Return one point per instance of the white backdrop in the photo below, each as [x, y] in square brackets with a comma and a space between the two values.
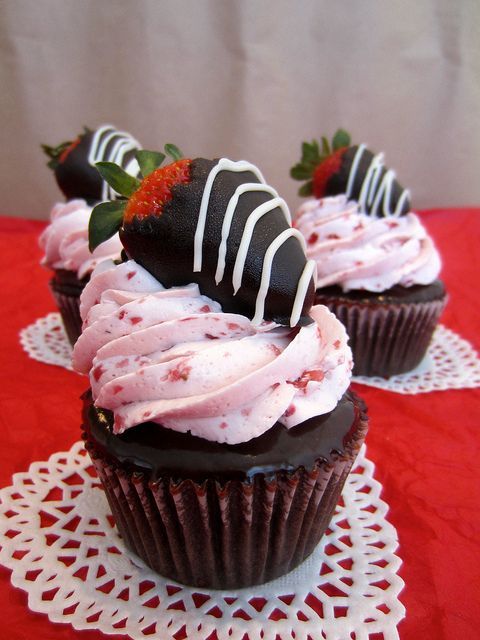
[245, 79]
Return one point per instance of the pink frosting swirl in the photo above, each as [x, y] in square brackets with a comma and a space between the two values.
[172, 356]
[356, 251]
[65, 240]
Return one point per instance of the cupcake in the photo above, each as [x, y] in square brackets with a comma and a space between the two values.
[377, 268]
[219, 417]
[65, 240]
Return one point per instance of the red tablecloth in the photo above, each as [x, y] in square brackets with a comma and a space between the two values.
[425, 447]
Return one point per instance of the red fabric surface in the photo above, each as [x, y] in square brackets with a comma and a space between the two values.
[425, 447]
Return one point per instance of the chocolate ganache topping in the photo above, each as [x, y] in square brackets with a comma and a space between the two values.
[224, 229]
[73, 162]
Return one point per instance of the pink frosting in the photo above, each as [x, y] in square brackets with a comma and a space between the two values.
[65, 240]
[357, 251]
[172, 356]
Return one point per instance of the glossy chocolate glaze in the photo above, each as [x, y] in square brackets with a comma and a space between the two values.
[164, 245]
[75, 177]
[395, 295]
[152, 448]
[337, 183]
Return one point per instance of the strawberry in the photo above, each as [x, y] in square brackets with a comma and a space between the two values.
[141, 199]
[318, 166]
[191, 222]
[73, 162]
[59, 154]
[354, 170]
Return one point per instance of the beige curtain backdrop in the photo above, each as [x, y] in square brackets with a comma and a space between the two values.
[245, 79]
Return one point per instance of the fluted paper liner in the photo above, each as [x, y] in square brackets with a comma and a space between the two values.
[235, 534]
[386, 338]
[69, 306]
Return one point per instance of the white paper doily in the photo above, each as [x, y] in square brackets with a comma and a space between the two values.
[450, 363]
[58, 538]
[46, 341]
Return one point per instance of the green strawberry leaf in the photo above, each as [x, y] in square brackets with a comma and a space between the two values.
[117, 178]
[149, 161]
[340, 139]
[301, 171]
[326, 147]
[54, 153]
[310, 153]
[173, 151]
[306, 189]
[105, 220]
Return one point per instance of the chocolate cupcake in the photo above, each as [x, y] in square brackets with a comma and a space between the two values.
[224, 516]
[380, 278]
[218, 419]
[65, 240]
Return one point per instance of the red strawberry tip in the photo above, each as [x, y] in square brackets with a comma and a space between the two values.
[155, 190]
[325, 170]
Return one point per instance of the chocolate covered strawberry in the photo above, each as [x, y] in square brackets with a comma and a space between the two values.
[354, 170]
[213, 222]
[73, 162]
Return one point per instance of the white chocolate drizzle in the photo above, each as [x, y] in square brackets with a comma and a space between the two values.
[267, 271]
[248, 230]
[309, 270]
[274, 202]
[227, 221]
[376, 192]
[123, 143]
[223, 165]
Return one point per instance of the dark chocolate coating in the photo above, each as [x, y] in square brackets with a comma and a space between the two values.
[395, 295]
[151, 448]
[77, 178]
[164, 245]
[337, 183]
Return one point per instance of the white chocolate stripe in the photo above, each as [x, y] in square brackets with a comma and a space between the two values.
[227, 221]
[267, 270]
[124, 143]
[353, 169]
[401, 201]
[370, 182]
[223, 165]
[254, 217]
[375, 193]
[309, 270]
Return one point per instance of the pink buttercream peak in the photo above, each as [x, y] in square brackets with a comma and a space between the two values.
[65, 240]
[190, 367]
[356, 251]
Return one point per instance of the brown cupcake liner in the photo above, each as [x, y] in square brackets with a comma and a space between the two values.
[69, 307]
[230, 535]
[388, 338]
